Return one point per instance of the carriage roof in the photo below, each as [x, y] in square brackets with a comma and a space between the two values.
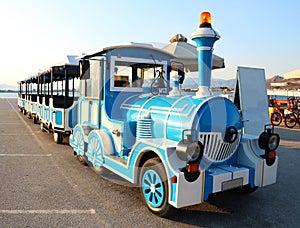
[59, 72]
[128, 46]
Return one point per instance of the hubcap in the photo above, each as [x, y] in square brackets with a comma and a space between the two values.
[153, 188]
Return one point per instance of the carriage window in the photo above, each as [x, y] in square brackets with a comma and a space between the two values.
[133, 74]
[123, 72]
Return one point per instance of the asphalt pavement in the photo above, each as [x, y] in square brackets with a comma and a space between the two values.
[43, 185]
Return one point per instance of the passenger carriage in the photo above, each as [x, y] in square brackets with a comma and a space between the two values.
[57, 100]
[31, 98]
[22, 96]
[27, 96]
[179, 148]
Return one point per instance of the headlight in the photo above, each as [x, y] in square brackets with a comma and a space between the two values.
[268, 141]
[231, 134]
[193, 151]
[189, 151]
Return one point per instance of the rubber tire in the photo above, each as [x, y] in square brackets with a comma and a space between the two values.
[165, 209]
[58, 138]
[287, 121]
[42, 127]
[274, 117]
[34, 119]
[82, 160]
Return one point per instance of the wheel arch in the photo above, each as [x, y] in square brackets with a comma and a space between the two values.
[144, 156]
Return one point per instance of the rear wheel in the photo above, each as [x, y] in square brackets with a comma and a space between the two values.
[154, 188]
[58, 138]
[34, 119]
[81, 159]
[77, 142]
[276, 118]
[290, 120]
[42, 127]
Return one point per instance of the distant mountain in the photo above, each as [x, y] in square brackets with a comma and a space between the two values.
[8, 87]
[275, 78]
[217, 82]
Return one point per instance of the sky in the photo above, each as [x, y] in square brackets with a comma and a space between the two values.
[36, 34]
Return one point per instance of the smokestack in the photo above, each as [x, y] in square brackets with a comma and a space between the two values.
[205, 37]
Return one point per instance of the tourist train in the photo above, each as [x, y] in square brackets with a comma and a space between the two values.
[50, 99]
[133, 118]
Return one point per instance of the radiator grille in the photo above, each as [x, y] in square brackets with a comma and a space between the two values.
[215, 149]
[143, 129]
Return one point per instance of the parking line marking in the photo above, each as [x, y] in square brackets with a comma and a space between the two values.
[25, 155]
[15, 212]
[16, 134]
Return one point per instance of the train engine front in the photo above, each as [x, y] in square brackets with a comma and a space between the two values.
[200, 140]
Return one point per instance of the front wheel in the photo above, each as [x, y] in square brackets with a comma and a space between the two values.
[290, 120]
[276, 118]
[154, 187]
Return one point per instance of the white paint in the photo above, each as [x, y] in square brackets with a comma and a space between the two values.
[25, 155]
[203, 91]
[219, 176]
[189, 193]
[270, 173]
[247, 157]
[205, 32]
[238, 172]
[254, 99]
[84, 111]
[113, 125]
[16, 134]
[16, 212]
[203, 48]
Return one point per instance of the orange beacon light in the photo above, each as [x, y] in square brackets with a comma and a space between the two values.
[205, 20]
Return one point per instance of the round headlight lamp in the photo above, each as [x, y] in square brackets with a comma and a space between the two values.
[268, 141]
[231, 134]
[189, 151]
[193, 151]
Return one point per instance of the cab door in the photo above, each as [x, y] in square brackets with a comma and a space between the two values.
[91, 92]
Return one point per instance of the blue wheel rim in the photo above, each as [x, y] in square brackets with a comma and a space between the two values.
[78, 142]
[153, 188]
[95, 151]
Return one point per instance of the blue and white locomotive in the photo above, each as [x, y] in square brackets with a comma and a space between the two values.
[178, 147]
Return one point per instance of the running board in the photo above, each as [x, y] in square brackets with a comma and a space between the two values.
[117, 159]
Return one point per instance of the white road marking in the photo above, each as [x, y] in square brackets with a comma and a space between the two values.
[289, 143]
[16, 134]
[25, 155]
[11, 123]
[16, 212]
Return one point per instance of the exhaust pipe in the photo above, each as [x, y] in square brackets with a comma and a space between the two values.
[205, 37]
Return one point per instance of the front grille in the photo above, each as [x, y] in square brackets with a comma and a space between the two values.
[215, 149]
[143, 129]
